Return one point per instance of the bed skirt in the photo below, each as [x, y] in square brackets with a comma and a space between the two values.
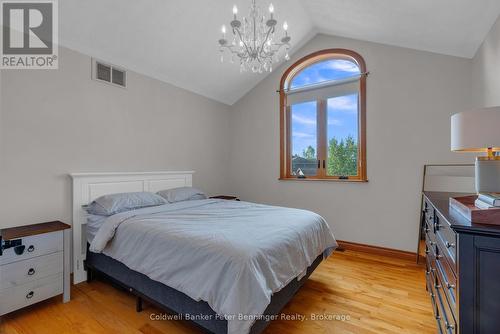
[173, 301]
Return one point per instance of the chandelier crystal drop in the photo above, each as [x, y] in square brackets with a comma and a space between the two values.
[254, 40]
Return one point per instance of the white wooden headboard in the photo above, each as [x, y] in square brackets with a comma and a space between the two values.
[89, 186]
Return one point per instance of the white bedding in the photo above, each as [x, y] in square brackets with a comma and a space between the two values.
[94, 223]
[233, 255]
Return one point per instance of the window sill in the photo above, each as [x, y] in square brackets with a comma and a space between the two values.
[327, 180]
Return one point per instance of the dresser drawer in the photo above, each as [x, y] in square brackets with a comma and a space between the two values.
[446, 237]
[36, 245]
[430, 247]
[430, 280]
[446, 316]
[447, 277]
[428, 212]
[30, 293]
[22, 272]
[429, 232]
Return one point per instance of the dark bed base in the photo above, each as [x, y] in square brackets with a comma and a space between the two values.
[175, 302]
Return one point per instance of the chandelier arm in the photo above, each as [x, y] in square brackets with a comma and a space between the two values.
[232, 51]
[255, 29]
[231, 48]
[265, 40]
[241, 39]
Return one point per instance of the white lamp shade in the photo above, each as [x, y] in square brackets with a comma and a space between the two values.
[476, 131]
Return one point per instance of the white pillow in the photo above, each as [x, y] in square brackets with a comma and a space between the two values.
[108, 205]
[182, 194]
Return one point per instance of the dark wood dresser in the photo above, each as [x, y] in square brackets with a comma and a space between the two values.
[462, 269]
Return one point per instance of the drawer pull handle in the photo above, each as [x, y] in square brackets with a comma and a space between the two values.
[30, 295]
[31, 272]
[450, 286]
[439, 256]
[437, 286]
[449, 326]
[426, 251]
[31, 248]
[450, 245]
[433, 243]
[438, 317]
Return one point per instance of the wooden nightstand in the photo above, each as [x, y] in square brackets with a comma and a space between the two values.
[226, 197]
[34, 264]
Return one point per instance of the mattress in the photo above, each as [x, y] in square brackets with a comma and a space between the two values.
[232, 255]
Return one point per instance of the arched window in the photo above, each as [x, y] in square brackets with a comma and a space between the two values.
[323, 117]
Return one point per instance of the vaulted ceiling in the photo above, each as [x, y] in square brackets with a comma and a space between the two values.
[176, 40]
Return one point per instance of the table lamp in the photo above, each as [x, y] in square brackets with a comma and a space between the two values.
[479, 131]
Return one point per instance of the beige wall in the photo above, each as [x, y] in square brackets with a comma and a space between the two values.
[60, 121]
[410, 97]
[486, 70]
[56, 122]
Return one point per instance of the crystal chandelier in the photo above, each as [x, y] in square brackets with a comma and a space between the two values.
[254, 41]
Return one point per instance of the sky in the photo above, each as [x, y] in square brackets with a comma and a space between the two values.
[342, 111]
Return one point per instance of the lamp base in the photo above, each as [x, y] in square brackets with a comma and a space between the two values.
[487, 175]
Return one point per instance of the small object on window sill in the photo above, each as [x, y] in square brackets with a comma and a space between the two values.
[315, 179]
[343, 177]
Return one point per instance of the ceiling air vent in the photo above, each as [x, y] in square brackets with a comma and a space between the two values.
[118, 77]
[103, 72]
[108, 73]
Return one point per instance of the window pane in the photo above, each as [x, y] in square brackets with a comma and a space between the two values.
[328, 70]
[304, 140]
[342, 135]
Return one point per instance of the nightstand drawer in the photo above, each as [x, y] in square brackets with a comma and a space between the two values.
[35, 245]
[30, 293]
[22, 272]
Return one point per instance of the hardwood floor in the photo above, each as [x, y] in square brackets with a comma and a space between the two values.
[378, 295]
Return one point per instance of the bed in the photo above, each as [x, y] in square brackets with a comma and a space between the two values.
[227, 266]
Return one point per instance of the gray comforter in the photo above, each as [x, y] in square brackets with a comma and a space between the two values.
[233, 255]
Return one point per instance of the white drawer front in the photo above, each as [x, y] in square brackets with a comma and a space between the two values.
[22, 272]
[30, 293]
[36, 245]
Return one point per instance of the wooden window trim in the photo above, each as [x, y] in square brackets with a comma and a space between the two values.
[285, 124]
